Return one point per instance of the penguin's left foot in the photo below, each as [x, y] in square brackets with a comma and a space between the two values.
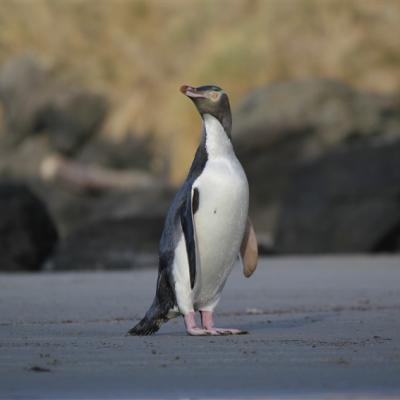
[207, 321]
[227, 331]
[192, 329]
[201, 332]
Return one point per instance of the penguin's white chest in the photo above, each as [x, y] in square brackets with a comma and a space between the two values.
[219, 223]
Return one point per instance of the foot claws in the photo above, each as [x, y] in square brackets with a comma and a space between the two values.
[225, 332]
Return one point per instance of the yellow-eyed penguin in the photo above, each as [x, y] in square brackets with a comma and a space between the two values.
[206, 228]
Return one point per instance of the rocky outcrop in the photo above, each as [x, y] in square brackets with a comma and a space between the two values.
[71, 118]
[287, 125]
[35, 100]
[108, 205]
[321, 158]
[110, 244]
[27, 232]
[23, 82]
[345, 201]
[120, 231]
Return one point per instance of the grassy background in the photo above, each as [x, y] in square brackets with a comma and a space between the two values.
[139, 52]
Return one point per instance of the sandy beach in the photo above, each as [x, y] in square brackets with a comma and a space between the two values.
[318, 327]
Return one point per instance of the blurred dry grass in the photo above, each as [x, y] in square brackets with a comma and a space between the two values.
[139, 52]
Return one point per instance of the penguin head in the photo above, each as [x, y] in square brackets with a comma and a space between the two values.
[211, 99]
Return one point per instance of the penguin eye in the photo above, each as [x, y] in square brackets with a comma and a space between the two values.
[214, 96]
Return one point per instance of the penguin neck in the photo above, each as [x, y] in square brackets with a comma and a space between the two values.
[215, 137]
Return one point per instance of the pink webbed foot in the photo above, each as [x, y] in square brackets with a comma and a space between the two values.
[201, 332]
[230, 331]
[192, 329]
[207, 321]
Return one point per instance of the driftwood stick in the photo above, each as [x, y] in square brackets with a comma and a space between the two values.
[89, 178]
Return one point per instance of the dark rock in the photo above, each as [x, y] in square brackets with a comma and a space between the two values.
[74, 210]
[24, 162]
[27, 233]
[130, 153]
[345, 201]
[70, 209]
[37, 100]
[148, 203]
[70, 118]
[390, 242]
[111, 244]
[120, 231]
[284, 125]
[23, 89]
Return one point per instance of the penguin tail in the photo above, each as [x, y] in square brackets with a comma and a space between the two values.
[151, 322]
[159, 312]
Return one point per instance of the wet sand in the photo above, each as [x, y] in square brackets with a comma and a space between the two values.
[319, 327]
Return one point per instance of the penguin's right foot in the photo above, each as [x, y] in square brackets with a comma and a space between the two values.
[201, 332]
[193, 330]
[207, 320]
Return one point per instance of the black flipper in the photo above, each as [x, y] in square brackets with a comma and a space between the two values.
[188, 210]
[157, 314]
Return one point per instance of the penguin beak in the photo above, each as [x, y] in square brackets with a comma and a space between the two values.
[192, 92]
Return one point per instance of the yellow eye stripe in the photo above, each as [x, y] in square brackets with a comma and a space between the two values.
[214, 96]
